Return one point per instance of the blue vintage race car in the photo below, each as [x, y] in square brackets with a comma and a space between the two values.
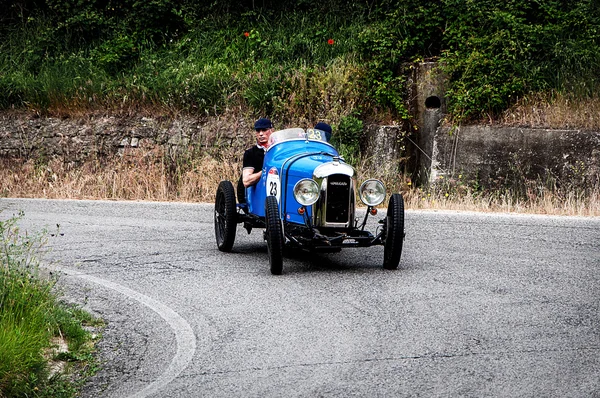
[306, 199]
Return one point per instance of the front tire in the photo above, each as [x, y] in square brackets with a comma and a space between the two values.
[394, 235]
[274, 235]
[225, 216]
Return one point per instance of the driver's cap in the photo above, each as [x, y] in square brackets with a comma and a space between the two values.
[263, 123]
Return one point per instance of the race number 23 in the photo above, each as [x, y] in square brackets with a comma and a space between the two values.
[314, 134]
[273, 183]
[273, 188]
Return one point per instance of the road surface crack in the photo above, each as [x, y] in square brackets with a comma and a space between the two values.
[389, 359]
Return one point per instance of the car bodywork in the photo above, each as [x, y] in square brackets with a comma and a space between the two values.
[306, 198]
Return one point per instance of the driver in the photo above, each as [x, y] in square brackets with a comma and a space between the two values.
[254, 157]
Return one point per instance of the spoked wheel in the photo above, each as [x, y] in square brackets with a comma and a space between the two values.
[274, 235]
[225, 216]
[394, 233]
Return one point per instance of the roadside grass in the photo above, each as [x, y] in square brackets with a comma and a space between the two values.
[155, 175]
[35, 324]
[544, 201]
[554, 109]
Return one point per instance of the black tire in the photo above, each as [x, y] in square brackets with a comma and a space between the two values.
[274, 235]
[225, 216]
[394, 234]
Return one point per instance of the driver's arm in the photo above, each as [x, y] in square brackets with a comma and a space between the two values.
[249, 177]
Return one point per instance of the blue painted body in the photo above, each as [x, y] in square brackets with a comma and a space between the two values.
[289, 161]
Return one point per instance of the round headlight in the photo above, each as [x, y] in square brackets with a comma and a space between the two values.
[372, 192]
[306, 192]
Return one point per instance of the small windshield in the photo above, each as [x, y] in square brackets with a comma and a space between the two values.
[298, 134]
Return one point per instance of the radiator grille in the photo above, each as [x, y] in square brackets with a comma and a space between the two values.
[338, 198]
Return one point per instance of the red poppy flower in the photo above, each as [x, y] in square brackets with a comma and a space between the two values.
[330, 42]
[246, 34]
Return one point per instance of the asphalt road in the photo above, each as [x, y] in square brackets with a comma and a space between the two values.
[482, 305]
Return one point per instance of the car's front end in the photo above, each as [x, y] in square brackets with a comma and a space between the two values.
[322, 216]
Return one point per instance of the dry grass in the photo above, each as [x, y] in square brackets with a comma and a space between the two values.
[554, 110]
[548, 202]
[136, 175]
[530, 196]
[154, 175]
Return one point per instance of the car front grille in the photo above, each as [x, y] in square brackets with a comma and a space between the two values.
[338, 198]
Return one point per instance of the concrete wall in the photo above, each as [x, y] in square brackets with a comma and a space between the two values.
[495, 156]
[385, 147]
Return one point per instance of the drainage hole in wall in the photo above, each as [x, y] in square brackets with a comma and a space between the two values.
[433, 102]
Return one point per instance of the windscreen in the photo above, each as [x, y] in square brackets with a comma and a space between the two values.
[298, 134]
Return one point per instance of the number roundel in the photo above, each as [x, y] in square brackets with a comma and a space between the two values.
[273, 184]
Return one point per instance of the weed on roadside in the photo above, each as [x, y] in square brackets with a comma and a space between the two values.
[34, 323]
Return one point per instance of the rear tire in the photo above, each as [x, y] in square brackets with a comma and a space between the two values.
[394, 234]
[225, 216]
[274, 235]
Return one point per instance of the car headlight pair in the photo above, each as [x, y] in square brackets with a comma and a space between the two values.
[371, 192]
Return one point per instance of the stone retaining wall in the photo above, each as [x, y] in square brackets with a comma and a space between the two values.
[77, 139]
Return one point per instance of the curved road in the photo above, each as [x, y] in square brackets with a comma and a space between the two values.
[483, 305]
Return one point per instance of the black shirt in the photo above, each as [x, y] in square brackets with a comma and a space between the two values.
[254, 157]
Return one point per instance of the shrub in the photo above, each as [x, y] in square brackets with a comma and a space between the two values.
[347, 138]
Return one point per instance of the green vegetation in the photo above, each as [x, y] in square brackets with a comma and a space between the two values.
[347, 139]
[32, 321]
[297, 61]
